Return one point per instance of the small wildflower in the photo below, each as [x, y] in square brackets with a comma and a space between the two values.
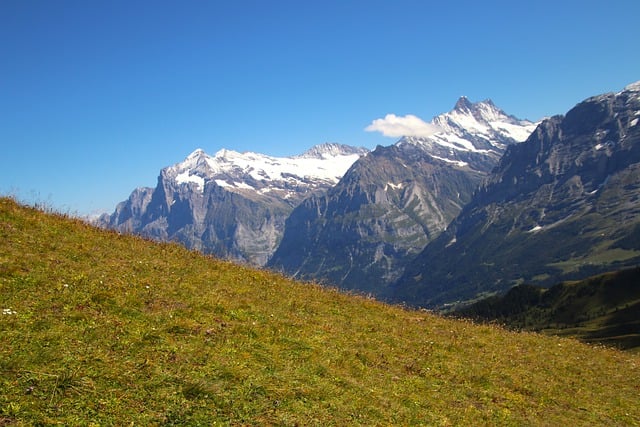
[8, 311]
[147, 287]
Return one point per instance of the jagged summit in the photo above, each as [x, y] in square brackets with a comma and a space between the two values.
[197, 156]
[249, 171]
[197, 153]
[473, 134]
[391, 203]
[483, 119]
[331, 149]
[562, 205]
[463, 104]
[231, 204]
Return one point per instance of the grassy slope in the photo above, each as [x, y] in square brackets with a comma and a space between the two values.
[111, 329]
[603, 309]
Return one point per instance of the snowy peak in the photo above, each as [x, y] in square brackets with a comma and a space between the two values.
[192, 159]
[322, 165]
[196, 160]
[330, 150]
[472, 133]
[463, 104]
[230, 204]
[632, 87]
[482, 118]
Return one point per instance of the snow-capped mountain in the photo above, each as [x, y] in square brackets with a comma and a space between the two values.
[381, 210]
[563, 205]
[362, 232]
[231, 204]
[250, 174]
[473, 134]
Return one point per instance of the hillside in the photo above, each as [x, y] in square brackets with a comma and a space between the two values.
[603, 309]
[103, 328]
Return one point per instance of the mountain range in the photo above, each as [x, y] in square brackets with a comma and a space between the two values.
[391, 203]
[232, 204]
[486, 202]
[370, 212]
[564, 204]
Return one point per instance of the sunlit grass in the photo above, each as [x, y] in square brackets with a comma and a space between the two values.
[602, 254]
[115, 330]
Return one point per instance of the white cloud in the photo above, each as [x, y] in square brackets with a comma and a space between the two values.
[397, 126]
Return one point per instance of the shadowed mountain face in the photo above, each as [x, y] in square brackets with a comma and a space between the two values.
[361, 233]
[564, 204]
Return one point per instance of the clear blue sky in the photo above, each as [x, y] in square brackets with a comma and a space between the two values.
[97, 96]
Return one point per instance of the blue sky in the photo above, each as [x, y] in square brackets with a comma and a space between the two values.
[96, 97]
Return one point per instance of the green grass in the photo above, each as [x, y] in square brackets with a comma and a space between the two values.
[98, 328]
[602, 255]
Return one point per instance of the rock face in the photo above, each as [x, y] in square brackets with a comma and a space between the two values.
[565, 204]
[233, 205]
[392, 202]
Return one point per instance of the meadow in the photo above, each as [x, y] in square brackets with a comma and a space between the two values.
[98, 328]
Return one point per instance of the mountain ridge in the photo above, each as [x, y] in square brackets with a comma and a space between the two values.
[473, 134]
[231, 204]
[360, 234]
[319, 166]
[568, 194]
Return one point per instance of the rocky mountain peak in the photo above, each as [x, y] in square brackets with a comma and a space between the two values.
[331, 149]
[463, 104]
[197, 157]
[483, 110]
[198, 152]
[363, 231]
[560, 205]
[231, 204]
[472, 135]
